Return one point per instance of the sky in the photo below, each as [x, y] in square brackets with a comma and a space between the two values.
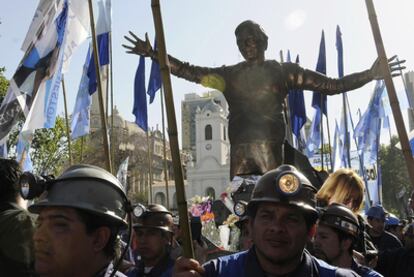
[202, 32]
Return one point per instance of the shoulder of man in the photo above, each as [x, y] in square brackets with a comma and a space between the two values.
[230, 265]
[392, 238]
[327, 270]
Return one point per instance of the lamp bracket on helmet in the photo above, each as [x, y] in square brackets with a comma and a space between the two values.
[32, 186]
[138, 210]
[240, 208]
[288, 183]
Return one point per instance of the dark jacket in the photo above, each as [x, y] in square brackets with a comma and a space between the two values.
[16, 245]
[246, 264]
[397, 262]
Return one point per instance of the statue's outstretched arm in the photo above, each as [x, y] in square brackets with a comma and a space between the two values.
[298, 77]
[197, 74]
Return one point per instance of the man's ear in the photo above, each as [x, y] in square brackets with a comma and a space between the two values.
[346, 244]
[100, 238]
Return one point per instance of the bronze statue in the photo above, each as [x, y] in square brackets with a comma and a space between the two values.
[255, 91]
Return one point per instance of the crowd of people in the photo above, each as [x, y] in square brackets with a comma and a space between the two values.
[77, 226]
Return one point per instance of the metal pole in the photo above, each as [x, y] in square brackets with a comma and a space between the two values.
[329, 142]
[399, 123]
[100, 95]
[164, 149]
[172, 130]
[67, 120]
[321, 123]
[347, 140]
[149, 167]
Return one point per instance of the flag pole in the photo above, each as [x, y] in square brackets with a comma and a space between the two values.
[347, 140]
[286, 111]
[100, 93]
[321, 123]
[67, 120]
[164, 148]
[112, 98]
[329, 142]
[149, 168]
[399, 123]
[172, 130]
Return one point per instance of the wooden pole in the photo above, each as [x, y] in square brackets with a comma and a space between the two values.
[67, 120]
[100, 93]
[149, 167]
[164, 149]
[399, 122]
[172, 130]
[112, 98]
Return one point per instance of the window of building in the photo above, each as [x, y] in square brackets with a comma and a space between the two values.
[160, 198]
[208, 132]
[210, 192]
[224, 133]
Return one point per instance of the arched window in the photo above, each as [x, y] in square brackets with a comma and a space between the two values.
[160, 198]
[211, 193]
[208, 132]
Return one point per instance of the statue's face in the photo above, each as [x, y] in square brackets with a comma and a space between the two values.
[250, 46]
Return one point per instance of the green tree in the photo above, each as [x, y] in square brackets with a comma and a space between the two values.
[48, 151]
[4, 84]
[394, 176]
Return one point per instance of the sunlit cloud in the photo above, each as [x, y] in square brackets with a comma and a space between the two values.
[295, 19]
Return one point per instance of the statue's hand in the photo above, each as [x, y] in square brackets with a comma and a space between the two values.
[394, 66]
[139, 47]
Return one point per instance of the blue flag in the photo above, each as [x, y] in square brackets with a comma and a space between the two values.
[140, 97]
[367, 132]
[297, 108]
[314, 138]
[154, 83]
[81, 114]
[319, 100]
[339, 48]
[344, 134]
[103, 27]
[33, 90]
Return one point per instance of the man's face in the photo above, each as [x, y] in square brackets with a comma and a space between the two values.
[249, 46]
[151, 244]
[279, 232]
[327, 245]
[378, 226]
[62, 246]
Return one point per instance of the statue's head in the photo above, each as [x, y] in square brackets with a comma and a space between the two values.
[247, 32]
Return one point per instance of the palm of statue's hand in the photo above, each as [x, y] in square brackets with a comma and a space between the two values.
[394, 66]
[139, 46]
